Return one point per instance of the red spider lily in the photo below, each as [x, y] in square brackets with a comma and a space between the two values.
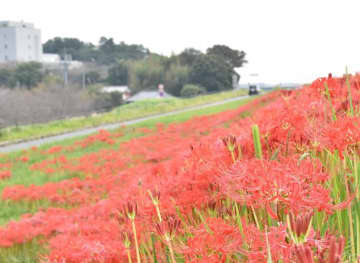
[5, 174]
[213, 237]
[5, 165]
[101, 136]
[54, 149]
[330, 252]
[130, 209]
[257, 183]
[335, 250]
[304, 254]
[24, 159]
[300, 226]
[209, 259]
[191, 165]
[94, 248]
[168, 227]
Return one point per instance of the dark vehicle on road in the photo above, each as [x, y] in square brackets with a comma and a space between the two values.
[253, 90]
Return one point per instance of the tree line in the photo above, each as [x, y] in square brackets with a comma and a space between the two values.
[136, 67]
[26, 75]
[106, 53]
[211, 71]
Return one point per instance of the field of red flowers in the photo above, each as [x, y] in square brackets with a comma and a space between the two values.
[275, 180]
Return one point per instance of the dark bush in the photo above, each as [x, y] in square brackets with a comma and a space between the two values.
[116, 99]
[175, 78]
[191, 90]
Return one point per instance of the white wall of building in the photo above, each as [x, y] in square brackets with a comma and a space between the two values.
[7, 44]
[20, 42]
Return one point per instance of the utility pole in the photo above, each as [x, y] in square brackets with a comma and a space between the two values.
[83, 80]
[66, 63]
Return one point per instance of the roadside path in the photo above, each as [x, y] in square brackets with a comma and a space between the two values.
[38, 142]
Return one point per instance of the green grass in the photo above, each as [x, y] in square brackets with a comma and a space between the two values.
[22, 175]
[119, 114]
[184, 116]
[25, 253]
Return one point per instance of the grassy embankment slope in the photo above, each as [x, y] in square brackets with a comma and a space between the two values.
[119, 114]
[21, 171]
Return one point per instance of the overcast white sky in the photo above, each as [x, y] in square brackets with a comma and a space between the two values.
[285, 41]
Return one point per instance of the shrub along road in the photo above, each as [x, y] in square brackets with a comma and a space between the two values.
[39, 142]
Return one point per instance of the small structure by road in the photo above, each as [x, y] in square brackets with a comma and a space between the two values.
[124, 90]
[148, 94]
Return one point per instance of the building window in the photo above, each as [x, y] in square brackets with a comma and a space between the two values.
[29, 47]
[4, 35]
[5, 46]
[6, 58]
[29, 36]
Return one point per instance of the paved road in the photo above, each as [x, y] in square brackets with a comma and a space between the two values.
[38, 142]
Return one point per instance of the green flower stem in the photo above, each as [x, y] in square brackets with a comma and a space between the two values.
[257, 142]
[136, 242]
[349, 91]
[329, 99]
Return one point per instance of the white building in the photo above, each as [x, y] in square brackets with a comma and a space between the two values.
[19, 42]
[48, 58]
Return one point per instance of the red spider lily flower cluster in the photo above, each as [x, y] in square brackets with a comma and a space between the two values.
[219, 203]
[5, 170]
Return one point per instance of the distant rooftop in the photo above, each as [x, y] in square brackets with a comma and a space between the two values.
[120, 89]
[16, 24]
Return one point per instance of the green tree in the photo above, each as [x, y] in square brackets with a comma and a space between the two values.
[188, 56]
[211, 72]
[147, 74]
[28, 74]
[92, 77]
[234, 58]
[175, 78]
[118, 74]
[110, 52]
[55, 45]
[5, 77]
[87, 53]
[132, 51]
[107, 53]
[107, 45]
[73, 46]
